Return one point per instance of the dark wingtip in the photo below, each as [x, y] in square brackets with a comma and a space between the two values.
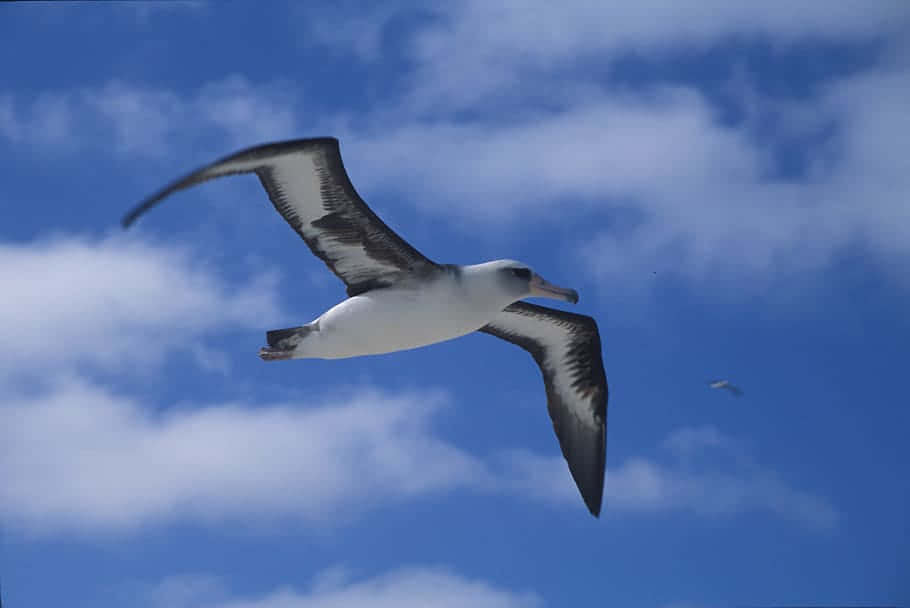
[589, 478]
[593, 507]
[130, 218]
[593, 498]
[127, 220]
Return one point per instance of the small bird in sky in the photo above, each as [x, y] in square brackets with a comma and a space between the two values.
[725, 384]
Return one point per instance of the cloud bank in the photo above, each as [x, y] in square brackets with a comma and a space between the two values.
[115, 303]
[666, 183]
[77, 454]
[81, 457]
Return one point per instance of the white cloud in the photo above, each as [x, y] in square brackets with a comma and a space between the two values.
[76, 454]
[149, 121]
[476, 52]
[486, 36]
[672, 187]
[184, 591]
[675, 189]
[115, 303]
[639, 485]
[43, 120]
[133, 120]
[144, 10]
[499, 124]
[141, 120]
[401, 588]
[686, 441]
[503, 120]
[608, 148]
[346, 27]
[80, 457]
[722, 483]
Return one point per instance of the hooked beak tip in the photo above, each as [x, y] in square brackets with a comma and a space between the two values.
[541, 288]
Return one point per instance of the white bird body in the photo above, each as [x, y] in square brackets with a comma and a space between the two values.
[392, 319]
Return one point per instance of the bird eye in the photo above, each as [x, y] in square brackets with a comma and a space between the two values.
[521, 273]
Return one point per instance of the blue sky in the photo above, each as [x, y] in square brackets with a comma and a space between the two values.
[725, 184]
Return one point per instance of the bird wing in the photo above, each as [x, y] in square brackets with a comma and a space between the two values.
[308, 185]
[566, 346]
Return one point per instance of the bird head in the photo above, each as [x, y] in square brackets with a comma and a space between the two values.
[521, 281]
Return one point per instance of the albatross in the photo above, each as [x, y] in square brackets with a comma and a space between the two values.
[398, 299]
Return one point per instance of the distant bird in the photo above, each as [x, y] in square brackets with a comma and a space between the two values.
[398, 299]
[725, 384]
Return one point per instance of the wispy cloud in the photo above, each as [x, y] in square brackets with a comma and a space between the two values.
[404, 588]
[519, 128]
[639, 485]
[673, 188]
[670, 185]
[44, 119]
[687, 441]
[135, 120]
[709, 474]
[348, 28]
[184, 591]
[473, 52]
[144, 11]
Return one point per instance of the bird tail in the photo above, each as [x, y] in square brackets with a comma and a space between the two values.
[284, 343]
[289, 337]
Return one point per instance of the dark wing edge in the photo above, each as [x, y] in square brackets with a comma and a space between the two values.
[578, 357]
[348, 218]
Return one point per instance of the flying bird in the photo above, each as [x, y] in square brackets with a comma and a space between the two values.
[398, 299]
[725, 384]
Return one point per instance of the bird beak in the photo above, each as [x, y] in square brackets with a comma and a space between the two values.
[542, 289]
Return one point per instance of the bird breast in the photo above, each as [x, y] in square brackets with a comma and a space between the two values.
[393, 319]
